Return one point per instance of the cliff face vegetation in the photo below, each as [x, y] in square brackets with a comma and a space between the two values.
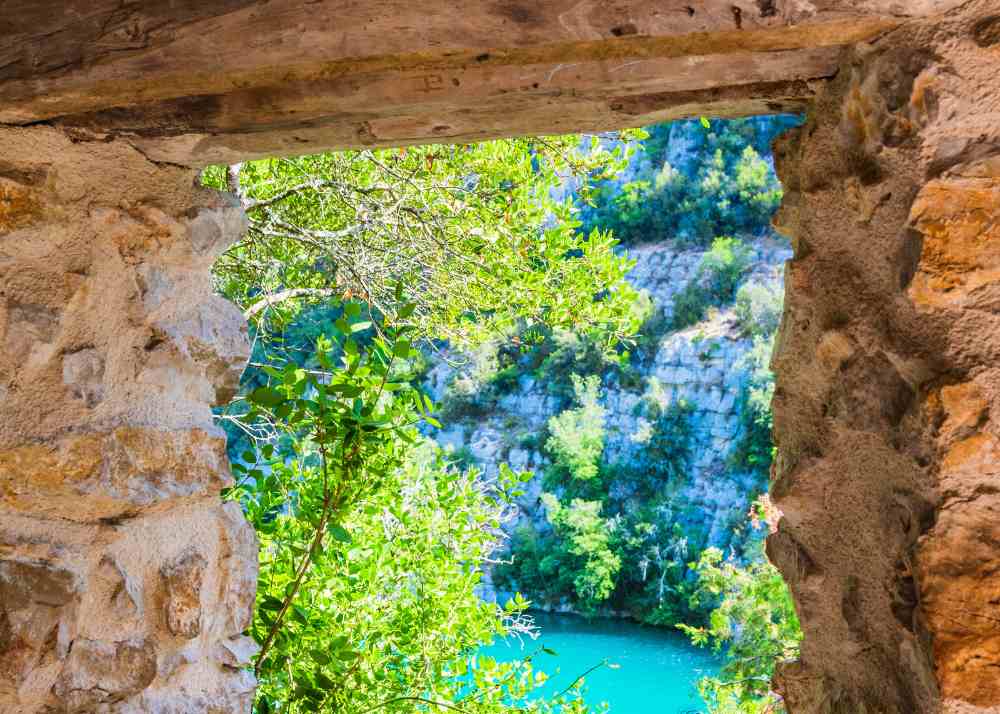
[667, 438]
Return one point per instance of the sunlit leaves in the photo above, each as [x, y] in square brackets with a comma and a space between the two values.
[753, 624]
[481, 236]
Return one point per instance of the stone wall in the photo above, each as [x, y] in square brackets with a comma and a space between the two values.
[887, 411]
[125, 583]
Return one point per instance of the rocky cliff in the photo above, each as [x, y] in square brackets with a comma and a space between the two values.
[703, 366]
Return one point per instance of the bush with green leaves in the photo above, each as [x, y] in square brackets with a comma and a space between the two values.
[759, 305]
[569, 353]
[753, 625]
[370, 541]
[473, 231]
[652, 583]
[576, 436]
[666, 454]
[536, 564]
[755, 449]
[585, 546]
[719, 272]
[722, 184]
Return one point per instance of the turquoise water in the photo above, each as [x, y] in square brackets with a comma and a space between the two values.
[657, 667]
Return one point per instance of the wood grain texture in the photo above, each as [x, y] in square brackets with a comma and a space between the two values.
[241, 78]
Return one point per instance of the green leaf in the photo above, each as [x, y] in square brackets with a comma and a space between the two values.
[339, 534]
[359, 326]
[347, 390]
[270, 603]
[407, 310]
[267, 397]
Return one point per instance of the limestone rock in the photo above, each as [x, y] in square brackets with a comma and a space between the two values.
[885, 409]
[23, 583]
[237, 652]
[99, 672]
[121, 572]
[182, 581]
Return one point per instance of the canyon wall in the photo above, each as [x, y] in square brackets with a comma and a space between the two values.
[887, 409]
[704, 367]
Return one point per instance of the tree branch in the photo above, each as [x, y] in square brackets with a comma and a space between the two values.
[289, 294]
[301, 571]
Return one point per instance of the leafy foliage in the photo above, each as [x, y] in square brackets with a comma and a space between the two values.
[753, 624]
[472, 231]
[577, 435]
[591, 531]
[720, 184]
[585, 544]
[667, 453]
[719, 273]
[370, 543]
[756, 448]
[759, 306]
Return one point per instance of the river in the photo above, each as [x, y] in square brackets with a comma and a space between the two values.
[657, 667]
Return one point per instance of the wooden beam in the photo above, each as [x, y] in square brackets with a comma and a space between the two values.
[194, 82]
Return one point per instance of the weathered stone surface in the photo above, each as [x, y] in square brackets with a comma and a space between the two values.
[182, 581]
[99, 672]
[118, 472]
[121, 573]
[22, 583]
[887, 393]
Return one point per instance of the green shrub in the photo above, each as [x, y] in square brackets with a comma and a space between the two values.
[505, 380]
[755, 450]
[723, 266]
[753, 624]
[462, 458]
[719, 272]
[652, 583]
[759, 306]
[585, 536]
[462, 405]
[666, 453]
[577, 435]
[652, 329]
[571, 354]
[472, 394]
[724, 184]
